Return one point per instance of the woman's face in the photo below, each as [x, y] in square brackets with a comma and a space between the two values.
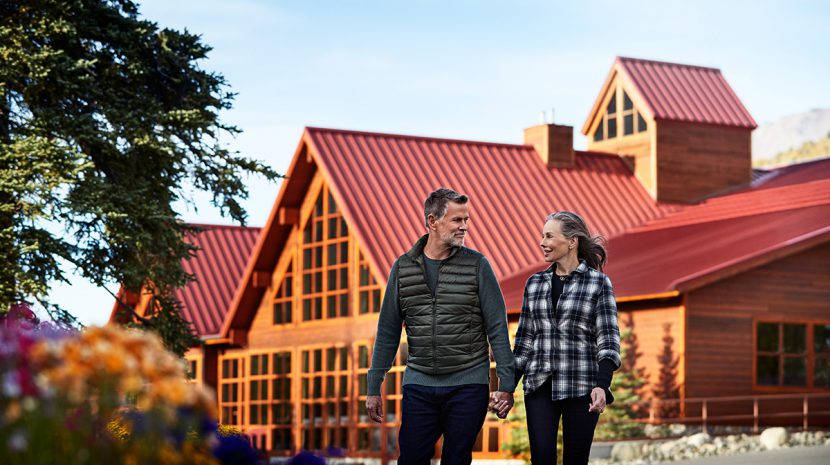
[554, 244]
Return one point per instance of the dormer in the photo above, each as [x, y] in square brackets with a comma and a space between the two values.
[683, 129]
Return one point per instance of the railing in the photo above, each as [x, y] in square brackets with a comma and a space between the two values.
[705, 419]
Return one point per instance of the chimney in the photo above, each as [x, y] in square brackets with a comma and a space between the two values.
[553, 142]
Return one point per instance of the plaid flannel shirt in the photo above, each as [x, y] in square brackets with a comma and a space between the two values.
[566, 343]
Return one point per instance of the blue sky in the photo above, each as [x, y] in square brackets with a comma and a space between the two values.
[480, 70]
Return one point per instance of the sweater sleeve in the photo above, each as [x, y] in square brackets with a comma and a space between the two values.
[523, 344]
[388, 336]
[495, 322]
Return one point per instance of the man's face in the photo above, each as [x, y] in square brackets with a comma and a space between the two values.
[452, 228]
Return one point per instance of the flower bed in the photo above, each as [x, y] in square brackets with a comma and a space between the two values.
[103, 395]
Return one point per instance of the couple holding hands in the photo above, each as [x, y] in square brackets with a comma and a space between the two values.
[567, 344]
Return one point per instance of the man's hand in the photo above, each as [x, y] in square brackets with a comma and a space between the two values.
[374, 406]
[500, 403]
[597, 400]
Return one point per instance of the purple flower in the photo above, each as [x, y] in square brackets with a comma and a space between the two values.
[306, 458]
[235, 449]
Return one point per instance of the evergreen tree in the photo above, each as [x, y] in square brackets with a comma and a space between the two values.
[106, 120]
[626, 385]
[666, 391]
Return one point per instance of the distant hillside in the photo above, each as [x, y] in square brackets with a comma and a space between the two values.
[789, 133]
[808, 151]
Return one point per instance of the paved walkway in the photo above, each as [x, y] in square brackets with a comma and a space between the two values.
[816, 455]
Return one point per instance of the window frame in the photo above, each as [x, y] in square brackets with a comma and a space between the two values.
[342, 242]
[619, 115]
[809, 356]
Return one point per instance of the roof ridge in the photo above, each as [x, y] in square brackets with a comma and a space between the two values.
[796, 164]
[693, 215]
[414, 137]
[666, 63]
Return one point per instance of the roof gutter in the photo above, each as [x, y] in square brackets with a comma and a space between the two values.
[638, 298]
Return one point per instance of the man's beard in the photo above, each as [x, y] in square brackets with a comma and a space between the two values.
[453, 241]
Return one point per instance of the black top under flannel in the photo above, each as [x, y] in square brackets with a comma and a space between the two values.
[566, 343]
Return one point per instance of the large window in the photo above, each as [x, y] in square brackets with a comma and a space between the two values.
[368, 432]
[325, 262]
[324, 397]
[370, 435]
[283, 311]
[368, 289]
[232, 390]
[792, 354]
[281, 437]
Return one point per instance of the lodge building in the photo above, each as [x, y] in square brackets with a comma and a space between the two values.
[733, 263]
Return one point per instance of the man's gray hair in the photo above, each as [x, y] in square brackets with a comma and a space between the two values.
[436, 203]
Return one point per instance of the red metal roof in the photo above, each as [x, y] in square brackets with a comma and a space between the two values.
[218, 269]
[678, 92]
[669, 253]
[725, 233]
[794, 174]
[381, 180]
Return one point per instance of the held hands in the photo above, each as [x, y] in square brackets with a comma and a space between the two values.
[500, 403]
[374, 407]
[597, 400]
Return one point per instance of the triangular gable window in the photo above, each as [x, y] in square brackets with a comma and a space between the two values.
[632, 120]
[325, 261]
[326, 254]
[630, 115]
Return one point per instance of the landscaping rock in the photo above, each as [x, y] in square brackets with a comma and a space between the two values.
[697, 440]
[626, 451]
[773, 438]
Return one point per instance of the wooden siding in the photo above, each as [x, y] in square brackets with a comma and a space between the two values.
[648, 326]
[721, 319]
[245, 398]
[636, 149]
[694, 161]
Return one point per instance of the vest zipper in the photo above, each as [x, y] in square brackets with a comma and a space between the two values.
[434, 325]
[434, 322]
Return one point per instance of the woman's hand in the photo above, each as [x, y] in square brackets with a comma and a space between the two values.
[597, 400]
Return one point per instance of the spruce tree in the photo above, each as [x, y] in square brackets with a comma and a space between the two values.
[666, 392]
[626, 386]
[107, 120]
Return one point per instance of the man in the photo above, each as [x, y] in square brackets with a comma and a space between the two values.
[449, 300]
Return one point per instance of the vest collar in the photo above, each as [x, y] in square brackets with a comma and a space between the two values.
[417, 250]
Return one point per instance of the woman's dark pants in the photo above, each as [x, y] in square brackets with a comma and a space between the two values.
[543, 425]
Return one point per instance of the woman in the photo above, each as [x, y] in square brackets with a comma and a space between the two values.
[568, 342]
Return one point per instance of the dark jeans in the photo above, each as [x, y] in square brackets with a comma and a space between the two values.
[427, 413]
[543, 425]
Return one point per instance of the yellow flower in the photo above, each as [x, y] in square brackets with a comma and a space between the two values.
[114, 362]
[13, 411]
